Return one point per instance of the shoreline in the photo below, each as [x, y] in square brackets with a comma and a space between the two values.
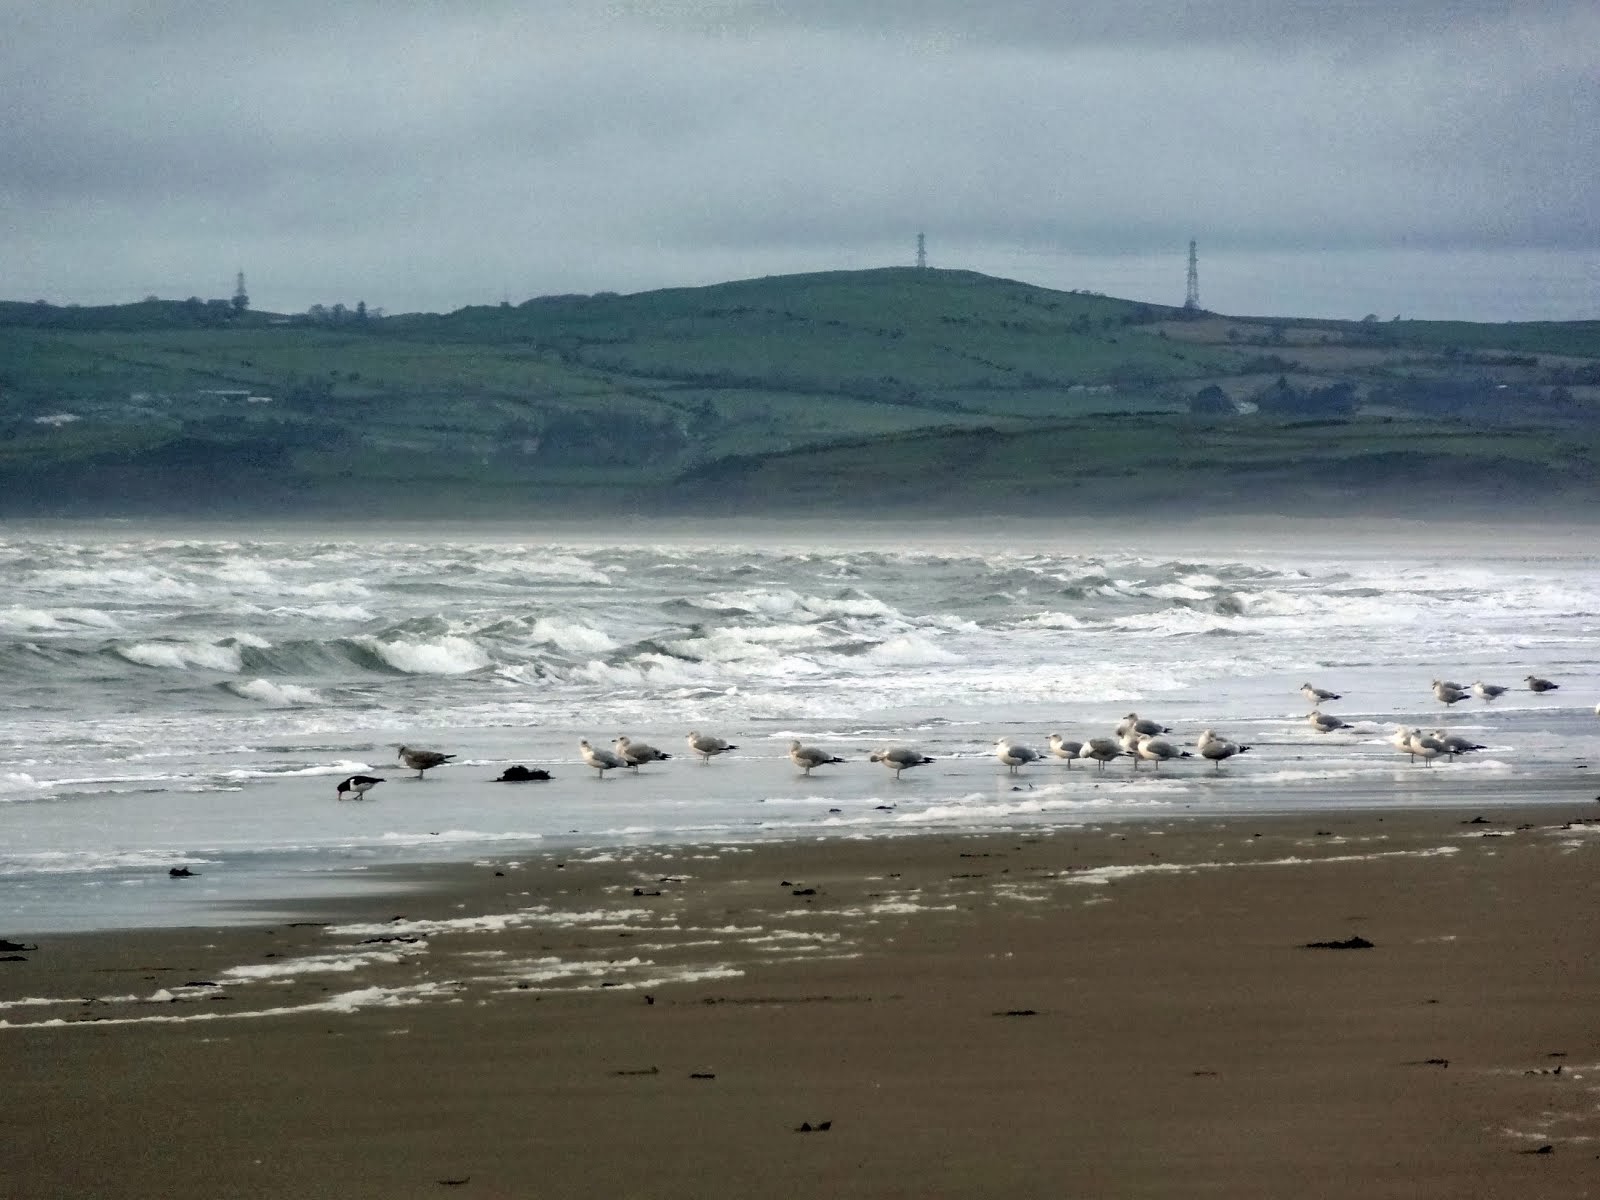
[1115, 1009]
[229, 891]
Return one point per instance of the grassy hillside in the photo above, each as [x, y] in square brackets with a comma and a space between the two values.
[897, 386]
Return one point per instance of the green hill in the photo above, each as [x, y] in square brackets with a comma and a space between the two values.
[919, 390]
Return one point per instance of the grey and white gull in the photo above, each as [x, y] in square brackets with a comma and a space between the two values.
[422, 760]
[807, 757]
[1317, 695]
[633, 754]
[601, 759]
[708, 745]
[1425, 746]
[1061, 747]
[1133, 721]
[1217, 748]
[1013, 756]
[1101, 750]
[1454, 744]
[900, 758]
[1158, 750]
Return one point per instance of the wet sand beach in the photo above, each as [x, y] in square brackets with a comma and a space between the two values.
[1115, 1010]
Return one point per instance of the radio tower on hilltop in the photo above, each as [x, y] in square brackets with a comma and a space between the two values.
[1191, 299]
[922, 251]
[241, 298]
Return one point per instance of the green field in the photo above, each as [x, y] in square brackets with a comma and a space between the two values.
[911, 389]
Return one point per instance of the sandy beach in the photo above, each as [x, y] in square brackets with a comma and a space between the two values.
[1124, 1010]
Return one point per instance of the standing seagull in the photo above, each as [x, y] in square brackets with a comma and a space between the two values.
[1159, 750]
[1425, 746]
[360, 785]
[1402, 742]
[422, 760]
[1102, 750]
[601, 760]
[1535, 684]
[1138, 724]
[1012, 757]
[706, 745]
[1448, 693]
[1318, 695]
[634, 753]
[1216, 748]
[1454, 743]
[900, 758]
[1325, 723]
[1487, 691]
[1061, 748]
[806, 757]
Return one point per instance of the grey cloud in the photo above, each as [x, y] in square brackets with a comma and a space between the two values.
[434, 152]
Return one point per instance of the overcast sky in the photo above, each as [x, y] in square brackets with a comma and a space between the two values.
[1431, 158]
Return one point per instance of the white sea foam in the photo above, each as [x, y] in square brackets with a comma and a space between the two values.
[572, 636]
[181, 656]
[326, 612]
[17, 782]
[1053, 620]
[321, 964]
[448, 655]
[282, 695]
[145, 584]
[346, 766]
[17, 619]
[910, 650]
[343, 1002]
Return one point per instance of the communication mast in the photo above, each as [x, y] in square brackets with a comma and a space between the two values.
[922, 251]
[241, 298]
[1191, 299]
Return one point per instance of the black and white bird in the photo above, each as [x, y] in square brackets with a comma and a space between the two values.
[422, 760]
[634, 753]
[707, 745]
[600, 759]
[1488, 691]
[1318, 695]
[1218, 748]
[806, 757]
[357, 786]
[1013, 756]
[1535, 684]
[1446, 692]
[900, 758]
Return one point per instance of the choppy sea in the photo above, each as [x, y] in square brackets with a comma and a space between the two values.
[190, 697]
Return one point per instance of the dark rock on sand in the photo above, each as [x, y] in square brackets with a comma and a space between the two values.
[1355, 943]
[521, 774]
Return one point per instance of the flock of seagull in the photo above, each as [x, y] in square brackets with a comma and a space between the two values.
[1414, 742]
[1135, 737]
